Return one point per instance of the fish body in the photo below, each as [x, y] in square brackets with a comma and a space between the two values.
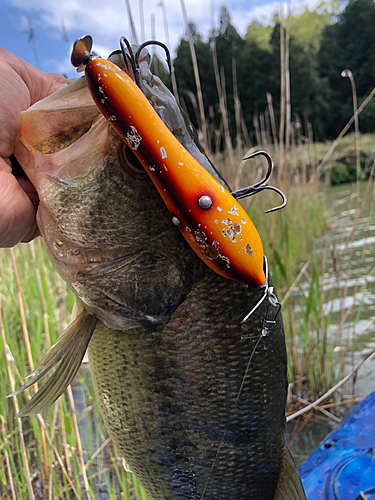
[193, 398]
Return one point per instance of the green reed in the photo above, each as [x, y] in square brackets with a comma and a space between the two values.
[288, 238]
[42, 459]
[297, 273]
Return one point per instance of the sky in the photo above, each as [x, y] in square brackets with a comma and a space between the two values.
[58, 23]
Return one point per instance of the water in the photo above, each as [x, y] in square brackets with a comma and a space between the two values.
[348, 282]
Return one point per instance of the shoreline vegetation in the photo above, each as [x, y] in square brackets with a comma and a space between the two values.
[66, 449]
[65, 452]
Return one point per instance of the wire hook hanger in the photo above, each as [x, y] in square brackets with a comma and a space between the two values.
[274, 305]
[261, 185]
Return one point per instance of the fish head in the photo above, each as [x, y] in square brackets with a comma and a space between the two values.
[105, 227]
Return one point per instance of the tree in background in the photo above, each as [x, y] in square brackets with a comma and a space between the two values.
[322, 44]
[309, 93]
[349, 43]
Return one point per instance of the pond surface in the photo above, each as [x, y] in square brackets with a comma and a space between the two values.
[347, 252]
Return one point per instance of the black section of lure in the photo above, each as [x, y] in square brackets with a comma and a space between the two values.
[261, 185]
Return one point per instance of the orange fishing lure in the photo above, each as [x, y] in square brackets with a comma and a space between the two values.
[211, 220]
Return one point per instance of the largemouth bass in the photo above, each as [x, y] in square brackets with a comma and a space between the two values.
[193, 398]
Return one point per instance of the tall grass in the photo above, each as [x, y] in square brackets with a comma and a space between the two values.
[300, 276]
[322, 352]
[65, 452]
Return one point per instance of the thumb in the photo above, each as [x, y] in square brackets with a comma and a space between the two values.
[22, 85]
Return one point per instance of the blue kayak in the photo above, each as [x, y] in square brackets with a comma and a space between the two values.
[343, 465]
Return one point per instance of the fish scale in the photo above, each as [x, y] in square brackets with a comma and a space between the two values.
[176, 395]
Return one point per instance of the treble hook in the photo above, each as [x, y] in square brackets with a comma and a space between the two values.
[134, 59]
[138, 53]
[124, 44]
[154, 42]
[261, 185]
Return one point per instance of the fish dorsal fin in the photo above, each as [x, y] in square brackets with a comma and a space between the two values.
[69, 350]
[289, 486]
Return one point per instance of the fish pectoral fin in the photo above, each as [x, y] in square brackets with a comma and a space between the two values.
[69, 350]
[289, 486]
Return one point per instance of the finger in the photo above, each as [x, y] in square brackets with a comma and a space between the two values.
[29, 190]
[17, 221]
[22, 85]
[31, 235]
[39, 84]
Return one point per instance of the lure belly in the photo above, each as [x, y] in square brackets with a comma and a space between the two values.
[211, 220]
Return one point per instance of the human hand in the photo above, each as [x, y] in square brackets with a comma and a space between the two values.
[21, 86]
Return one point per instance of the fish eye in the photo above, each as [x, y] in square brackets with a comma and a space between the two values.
[131, 163]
